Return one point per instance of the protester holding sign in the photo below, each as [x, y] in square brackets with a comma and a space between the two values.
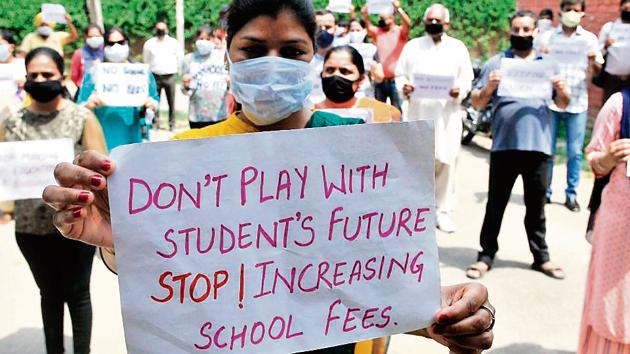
[576, 52]
[436, 53]
[122, 125]
[614, 33]
[270, 45]
[205, 80]
[606, 310]
[89, 55]
[12, 76]
[371, 61]
[341, 79]
[390, 39]
[61, 269]
[46, 36]
[521, 131]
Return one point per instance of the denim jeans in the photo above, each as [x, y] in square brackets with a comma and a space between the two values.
[387, 89]
[575, 124]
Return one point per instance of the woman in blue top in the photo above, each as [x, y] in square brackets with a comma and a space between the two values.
[121, 125]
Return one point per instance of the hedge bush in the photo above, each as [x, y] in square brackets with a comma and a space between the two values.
[481, 24]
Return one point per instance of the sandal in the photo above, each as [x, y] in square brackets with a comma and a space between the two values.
[552, 272]
[475, 272]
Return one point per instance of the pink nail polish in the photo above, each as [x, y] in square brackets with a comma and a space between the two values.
[95, 181]
[83, 197]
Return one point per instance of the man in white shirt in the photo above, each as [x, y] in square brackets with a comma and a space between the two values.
[436, 53]
[615, 33]
[577, 53]
[164, 56]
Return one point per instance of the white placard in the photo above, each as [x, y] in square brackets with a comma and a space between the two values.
[260, 225]
[378, 7]
[569, 53]
[122, 85]
[367, 114]
[367, 51]
[27, 166]
[7, 79]
[340, 6]
[432, 86]
[526, 78]
[53, 13]
[618, 59]
[620, 32]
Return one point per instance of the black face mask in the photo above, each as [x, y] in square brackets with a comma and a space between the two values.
[382, 23]
[45, 91]
[625, 15]
[337, 88]
[160, 33]
[434, 28]
[522, 43]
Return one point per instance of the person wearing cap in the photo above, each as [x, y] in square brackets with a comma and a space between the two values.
[46, 36]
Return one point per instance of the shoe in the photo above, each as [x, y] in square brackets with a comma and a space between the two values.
[445, 223]
[550, 270]
[572, 204]
[475, 271]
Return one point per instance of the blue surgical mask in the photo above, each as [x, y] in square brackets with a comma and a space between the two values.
[204, 46]
[270, 88]
[5, 54]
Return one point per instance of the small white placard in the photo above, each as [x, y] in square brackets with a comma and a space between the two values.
[618, 59]
[526, 78]
[262, 246]
[340, 6]
[432, 86]
[7, 79]
[378, 7]
[122, 85]
[620, 32]
[53, 13]
[569, 53]
[27, 166]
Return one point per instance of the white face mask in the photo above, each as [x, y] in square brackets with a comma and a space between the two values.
[117, 53]
[270, 88]
[544, 25]
[44, 31]
[204, 46]
[94, 42]
[5, 54]
[340, 31]
[357, 37]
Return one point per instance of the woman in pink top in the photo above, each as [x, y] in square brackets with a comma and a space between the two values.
[606, 317]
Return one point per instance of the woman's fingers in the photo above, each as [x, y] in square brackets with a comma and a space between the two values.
[61, 197]
[69, 175]
[462, 301]
[482, 341]
[95, 161]
[473, 325]
[69, 222]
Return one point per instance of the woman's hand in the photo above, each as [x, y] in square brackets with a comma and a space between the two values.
[81, 199]
[619, 151]
[93, 102]
[186, 81]
[151, 104]
[462, 324]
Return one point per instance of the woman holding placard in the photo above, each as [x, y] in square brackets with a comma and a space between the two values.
[270, 44]
[341, 78]
[61, 268]
[122, 125]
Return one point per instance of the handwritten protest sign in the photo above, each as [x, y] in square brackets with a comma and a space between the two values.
[367, 114]
[53, 13]
[367, 51]
[263, 246]
[340, 6]
[569, 53]
[380, 6]
[7, 79]
[617, 59]
[526, 78]
[620, 32]
[432, 86]
[122, 85]
[27, 166]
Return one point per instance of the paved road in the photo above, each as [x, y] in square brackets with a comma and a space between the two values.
[536, 314]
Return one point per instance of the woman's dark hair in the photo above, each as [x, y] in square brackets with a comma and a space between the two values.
[51, 53]
[357, 59]
[112, 30]
[204, 29]
[242, 12]
[56, 58]
[623, 2]
[8, 37]
[362, 22]
[548, 13]
[90, 26]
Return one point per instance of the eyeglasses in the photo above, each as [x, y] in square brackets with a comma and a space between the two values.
[121, 42]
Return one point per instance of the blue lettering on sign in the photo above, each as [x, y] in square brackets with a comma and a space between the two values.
[130, 71]
[110, 88]
[135, 90]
